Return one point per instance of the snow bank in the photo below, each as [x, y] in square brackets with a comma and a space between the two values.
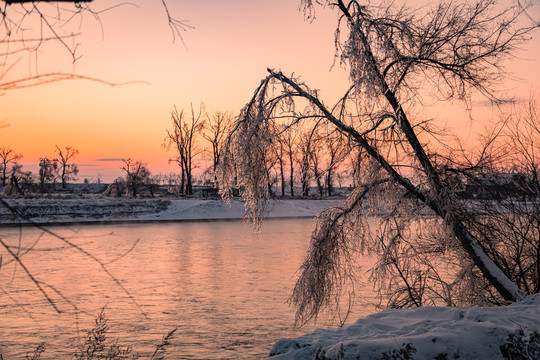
[111, 210]
[425, 333]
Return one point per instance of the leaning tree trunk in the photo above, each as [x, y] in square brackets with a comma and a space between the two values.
[493, 273]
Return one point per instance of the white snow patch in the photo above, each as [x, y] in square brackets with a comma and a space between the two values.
[434, 333]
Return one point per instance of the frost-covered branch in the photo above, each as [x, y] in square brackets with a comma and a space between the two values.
[330, 263]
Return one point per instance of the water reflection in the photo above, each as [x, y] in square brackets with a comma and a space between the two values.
[224, 286]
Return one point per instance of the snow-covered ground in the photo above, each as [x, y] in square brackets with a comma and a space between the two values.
[95, 209]
[426, 333]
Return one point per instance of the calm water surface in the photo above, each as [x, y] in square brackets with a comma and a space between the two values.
[221, 284]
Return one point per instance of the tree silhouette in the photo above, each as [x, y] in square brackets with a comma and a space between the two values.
[183, 138]
[7, 156]
[65, 170]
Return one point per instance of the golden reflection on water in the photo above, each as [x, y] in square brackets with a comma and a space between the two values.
[224, 286]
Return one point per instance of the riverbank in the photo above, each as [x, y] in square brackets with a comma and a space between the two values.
[443, 333]
[103, 210]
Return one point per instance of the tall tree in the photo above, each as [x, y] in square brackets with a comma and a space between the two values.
[316, 159]
[336, 151]
[279, 152]
[184, 137]
[396, 55]
[216, 129]
[66, 171]
[305, 145]
[7, 156]
[287, 139]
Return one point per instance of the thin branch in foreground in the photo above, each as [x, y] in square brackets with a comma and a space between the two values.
[56, 77]
[102, 265]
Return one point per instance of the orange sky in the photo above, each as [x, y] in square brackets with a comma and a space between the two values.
[225, 57]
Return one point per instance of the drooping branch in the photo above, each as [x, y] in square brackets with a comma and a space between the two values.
[330, 263]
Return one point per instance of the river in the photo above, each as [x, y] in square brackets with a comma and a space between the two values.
[223, 285]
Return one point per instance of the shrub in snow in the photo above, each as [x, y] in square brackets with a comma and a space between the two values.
[524, 344]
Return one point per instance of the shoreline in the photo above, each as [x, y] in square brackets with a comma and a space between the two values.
[107, 211]
[143, 221]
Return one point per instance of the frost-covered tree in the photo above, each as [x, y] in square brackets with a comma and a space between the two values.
[216, 128]
[398, 57]
[509, 229]
[183, 137]
[306, 141]
[336, 150]
[316, 159]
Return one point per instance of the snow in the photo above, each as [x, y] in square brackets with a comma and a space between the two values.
[96, 209]
[433, 333]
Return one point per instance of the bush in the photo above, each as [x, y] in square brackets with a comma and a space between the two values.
[524, 344]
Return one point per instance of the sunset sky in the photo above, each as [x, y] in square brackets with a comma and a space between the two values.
[222, 62]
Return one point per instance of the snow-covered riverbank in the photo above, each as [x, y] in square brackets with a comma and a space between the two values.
[113, 210]
[440, 333]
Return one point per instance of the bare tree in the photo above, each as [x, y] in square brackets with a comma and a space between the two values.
[305, 143]
[19, 181]
[287, 139]
[326, 153]
[47, 172]
[336, 151]
[183, 137]
[279, 153]
[7, 156]
[137, 175]
[523, 133]
[396, 55]
[272, 160]
[216, 129]
[66, 171]
[316, 155]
